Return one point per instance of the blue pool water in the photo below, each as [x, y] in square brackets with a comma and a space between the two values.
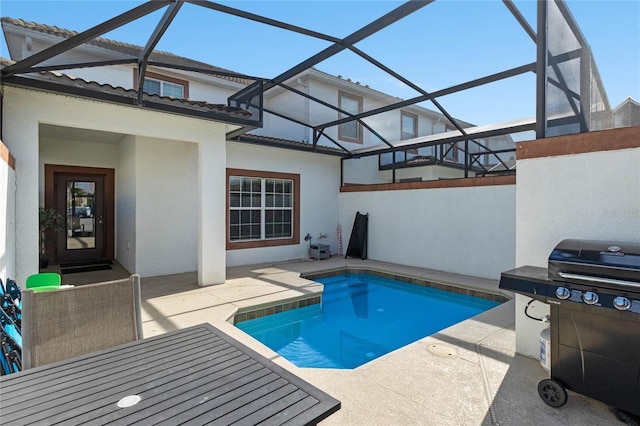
[361, 318]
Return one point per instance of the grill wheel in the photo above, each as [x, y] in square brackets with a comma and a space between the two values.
[552, 392]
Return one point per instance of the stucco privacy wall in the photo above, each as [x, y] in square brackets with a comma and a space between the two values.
[20, 126]
[573, 187]
[7, 214]
[319, 180]
[467, 230]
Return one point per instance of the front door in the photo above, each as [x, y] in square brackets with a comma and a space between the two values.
[83, 196]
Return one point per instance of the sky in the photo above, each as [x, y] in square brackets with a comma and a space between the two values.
[443, 44]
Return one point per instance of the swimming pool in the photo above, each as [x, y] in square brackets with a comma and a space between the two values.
[362, 317]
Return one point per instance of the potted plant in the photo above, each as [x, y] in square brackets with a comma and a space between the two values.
[51, 222]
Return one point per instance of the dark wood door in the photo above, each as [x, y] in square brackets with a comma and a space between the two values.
[80, 198]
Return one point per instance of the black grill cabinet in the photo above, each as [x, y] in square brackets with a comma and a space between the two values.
[593, 291]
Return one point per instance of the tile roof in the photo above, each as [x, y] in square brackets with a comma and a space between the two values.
[287, 143]
[79, 83]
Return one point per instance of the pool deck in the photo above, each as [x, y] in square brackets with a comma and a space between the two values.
[467, 374]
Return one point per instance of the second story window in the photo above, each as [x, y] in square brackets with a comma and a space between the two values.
[351, 131]
[163, 85]
[163, 88]
[408, 126]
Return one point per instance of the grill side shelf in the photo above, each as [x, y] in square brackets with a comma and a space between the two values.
[530, 281]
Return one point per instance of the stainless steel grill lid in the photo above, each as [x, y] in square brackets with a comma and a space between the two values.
[608, 263]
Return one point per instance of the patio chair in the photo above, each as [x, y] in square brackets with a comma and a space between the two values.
[44, 281]
[11, 309]
[58, 325]
[10, 358]
[11, 288]
[10, 345]
[10, 302]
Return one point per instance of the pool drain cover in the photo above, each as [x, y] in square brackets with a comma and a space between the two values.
[442, 350]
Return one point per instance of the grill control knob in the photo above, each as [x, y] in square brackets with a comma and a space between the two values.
[590, 298]
[562, 293]
[621, 303]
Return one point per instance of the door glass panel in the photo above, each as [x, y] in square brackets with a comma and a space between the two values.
[80, 215]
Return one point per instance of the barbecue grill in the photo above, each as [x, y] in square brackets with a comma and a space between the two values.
[593, 291]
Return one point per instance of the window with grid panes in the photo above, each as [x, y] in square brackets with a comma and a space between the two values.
[260, 208]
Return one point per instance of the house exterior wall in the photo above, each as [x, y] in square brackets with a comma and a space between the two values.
[319, 183]
[20, 134]
[74, 153]
[171, 180]
[386, 124]
[21, 130]
[296, 106]
[200, 87]
[125, 204]
[586, 192]
[8, 214]
[166, 209]
[464, 230]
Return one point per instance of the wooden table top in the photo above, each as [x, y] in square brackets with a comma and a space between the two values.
[195, 375]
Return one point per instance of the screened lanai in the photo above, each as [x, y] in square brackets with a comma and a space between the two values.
[552, 81]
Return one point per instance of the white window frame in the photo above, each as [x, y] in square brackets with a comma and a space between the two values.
[414, 129]
[341, 127]
[163, 83]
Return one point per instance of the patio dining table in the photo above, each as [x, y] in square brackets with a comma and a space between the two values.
[197, 375]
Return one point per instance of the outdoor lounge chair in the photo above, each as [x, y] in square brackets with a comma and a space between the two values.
[58, 325]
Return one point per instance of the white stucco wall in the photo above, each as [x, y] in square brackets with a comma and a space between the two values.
[7, 221]
[166, 206]
[587, 196]
[125, 204]
[74, 153]
[468, 230]
[21, 134]
[362, 171]
[319, 185]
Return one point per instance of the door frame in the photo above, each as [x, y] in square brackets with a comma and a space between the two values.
[50, 170]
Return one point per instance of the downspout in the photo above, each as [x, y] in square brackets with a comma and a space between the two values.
[306, 130]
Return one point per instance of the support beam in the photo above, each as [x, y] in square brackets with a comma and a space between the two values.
[364, 32]
[155, 37]
[408, 83]
[521, 19]
[202, 70]
[453, 89]
[85, 36]
[261, 19]
[83, 65]
[541, 71]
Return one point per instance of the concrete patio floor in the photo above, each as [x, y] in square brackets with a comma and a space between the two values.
[467, 374]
